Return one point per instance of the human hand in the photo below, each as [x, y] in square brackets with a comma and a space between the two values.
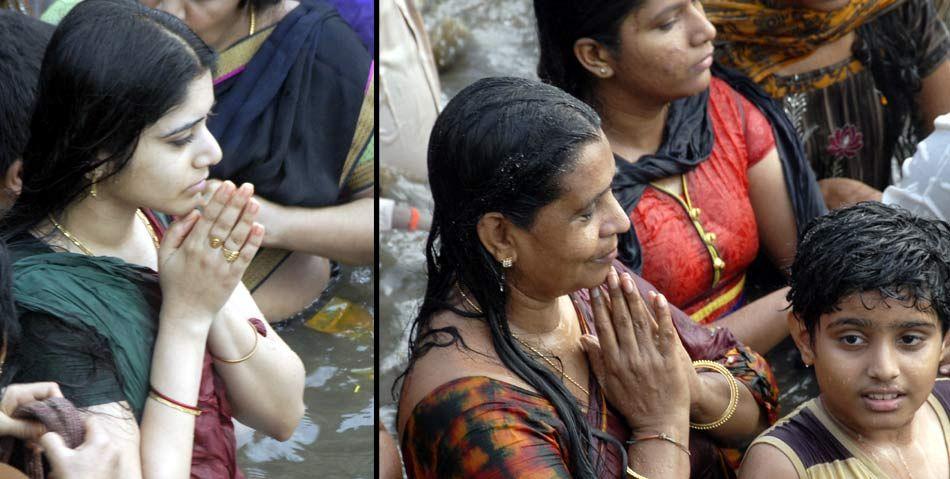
[637, 356]
[95, 458]
[269, 215]
[194, 272]
[16, 395]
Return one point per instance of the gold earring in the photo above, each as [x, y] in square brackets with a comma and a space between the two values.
[507, 262]
[93, 192]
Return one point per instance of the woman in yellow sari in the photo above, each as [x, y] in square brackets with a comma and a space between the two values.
[862, 80]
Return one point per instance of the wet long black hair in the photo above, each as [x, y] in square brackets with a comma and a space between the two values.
[501, 145]
[111, 69]
[563, 22]
[9, 325]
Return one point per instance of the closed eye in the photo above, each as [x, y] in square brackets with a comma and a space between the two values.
[183, 141]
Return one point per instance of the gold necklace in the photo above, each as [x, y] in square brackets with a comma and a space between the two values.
[537, 353]
[62, 229]
[552, 364]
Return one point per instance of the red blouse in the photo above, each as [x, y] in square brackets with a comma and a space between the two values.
[675, 258]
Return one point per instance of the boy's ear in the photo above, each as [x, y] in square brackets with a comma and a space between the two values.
[945, 355]
[802, 338]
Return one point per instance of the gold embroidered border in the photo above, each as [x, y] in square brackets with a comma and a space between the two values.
[239, 54]
[365, 125]
[264, 263]
[723, 299]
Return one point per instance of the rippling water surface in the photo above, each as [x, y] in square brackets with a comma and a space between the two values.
[335, 437]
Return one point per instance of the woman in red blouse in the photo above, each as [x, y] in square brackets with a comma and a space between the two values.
[699, 171]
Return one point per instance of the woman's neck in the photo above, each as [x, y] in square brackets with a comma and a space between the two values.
[239, 26]
[104, 226]
[634, 126]
[535, 316]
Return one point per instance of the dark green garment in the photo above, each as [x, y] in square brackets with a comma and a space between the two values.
[93, 307]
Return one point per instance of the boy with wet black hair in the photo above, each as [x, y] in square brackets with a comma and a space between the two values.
[870, 305]
[23, 40]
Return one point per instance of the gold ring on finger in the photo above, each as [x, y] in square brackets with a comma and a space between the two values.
[230, 255]
[215, 242]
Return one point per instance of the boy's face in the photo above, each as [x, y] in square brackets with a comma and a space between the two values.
[875, 367]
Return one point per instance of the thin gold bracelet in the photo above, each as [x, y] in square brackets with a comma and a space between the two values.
[733, 395]
[167, 403]
[634, 475]
[661, 436]
[246, 356]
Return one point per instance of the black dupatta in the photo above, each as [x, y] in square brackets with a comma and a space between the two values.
[286, 122]
[688, 141]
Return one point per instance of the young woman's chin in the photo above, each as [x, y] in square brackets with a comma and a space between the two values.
[180, 207]
[698, 85]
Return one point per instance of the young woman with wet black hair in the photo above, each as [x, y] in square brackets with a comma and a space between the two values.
[503, 354]
[709, 169]
[295, 117]
[147, 327]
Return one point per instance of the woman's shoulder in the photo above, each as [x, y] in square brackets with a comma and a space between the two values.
[461, 349]
[25, 245]
[473, 404]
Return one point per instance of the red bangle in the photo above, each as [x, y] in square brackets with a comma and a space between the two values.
[179, 404]
[413, 219]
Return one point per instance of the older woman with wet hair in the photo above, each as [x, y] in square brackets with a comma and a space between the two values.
[862, 80]
[534, 352]
[709, 170]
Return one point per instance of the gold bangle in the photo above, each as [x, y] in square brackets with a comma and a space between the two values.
[733, 395]
[634, 475]
[167, 403]
[661, 436]
[246, 356]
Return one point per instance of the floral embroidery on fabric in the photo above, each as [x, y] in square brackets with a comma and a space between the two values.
[845, 142]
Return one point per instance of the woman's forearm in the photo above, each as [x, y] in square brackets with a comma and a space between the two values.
[747, 421]
[266, 389]
[654, 457]
[760, 324]
[343, 233]
[167, 433]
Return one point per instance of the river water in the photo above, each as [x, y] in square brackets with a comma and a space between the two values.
[335, 437]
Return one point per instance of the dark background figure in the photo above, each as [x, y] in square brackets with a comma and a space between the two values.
[23, 40]
[862, 80]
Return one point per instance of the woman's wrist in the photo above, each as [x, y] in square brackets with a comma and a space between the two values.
[185, 323]
[705, 391]
[672, 423]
